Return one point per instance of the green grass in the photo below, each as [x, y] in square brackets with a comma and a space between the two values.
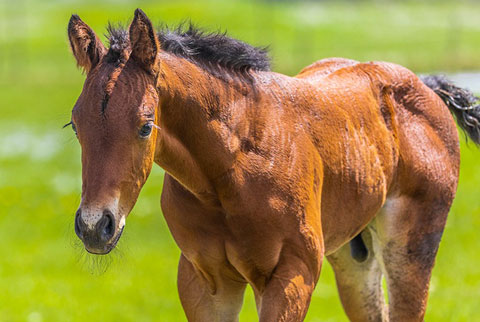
[45, 274]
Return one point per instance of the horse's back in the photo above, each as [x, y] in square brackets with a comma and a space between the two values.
[324, 67]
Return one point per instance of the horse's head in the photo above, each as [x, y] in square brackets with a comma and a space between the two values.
[114, 119]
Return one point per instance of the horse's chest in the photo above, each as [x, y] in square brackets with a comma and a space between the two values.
[216, 248]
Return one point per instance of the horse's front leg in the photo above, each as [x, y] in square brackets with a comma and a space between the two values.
[287, 294]
[208, 298]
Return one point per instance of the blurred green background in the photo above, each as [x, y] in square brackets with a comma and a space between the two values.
[45, 275]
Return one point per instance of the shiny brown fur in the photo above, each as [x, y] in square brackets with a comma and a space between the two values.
[263, 182]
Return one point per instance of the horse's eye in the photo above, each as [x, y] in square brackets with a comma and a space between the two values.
[74, 128]
[146, 130]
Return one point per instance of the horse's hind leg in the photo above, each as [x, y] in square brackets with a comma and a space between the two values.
[407, 233]
[359, 280]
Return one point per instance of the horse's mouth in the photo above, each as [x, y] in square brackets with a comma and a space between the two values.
[108, 247]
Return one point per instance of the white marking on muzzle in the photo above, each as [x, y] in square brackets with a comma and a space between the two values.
[122, 222]
[92, 214]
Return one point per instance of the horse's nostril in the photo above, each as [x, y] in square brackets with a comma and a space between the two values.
[110, 226]
[79, 224]
[106, 226]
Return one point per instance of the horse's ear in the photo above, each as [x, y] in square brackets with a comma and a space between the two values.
[86, 47]
[144, 41]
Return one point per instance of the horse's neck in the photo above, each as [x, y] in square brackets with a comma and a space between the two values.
[192, 144]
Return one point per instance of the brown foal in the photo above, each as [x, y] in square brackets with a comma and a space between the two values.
[267, 174]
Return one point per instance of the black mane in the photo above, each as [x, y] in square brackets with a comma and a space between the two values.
[213, 51]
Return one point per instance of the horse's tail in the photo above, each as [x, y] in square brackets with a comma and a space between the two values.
[461, 103]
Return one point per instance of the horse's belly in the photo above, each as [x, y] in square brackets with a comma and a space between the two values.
[352, 194]
[346, 215]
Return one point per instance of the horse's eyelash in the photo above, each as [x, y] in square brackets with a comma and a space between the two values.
[68, 124]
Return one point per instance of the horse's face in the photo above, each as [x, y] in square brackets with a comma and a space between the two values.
[118, 146]
[114, 121]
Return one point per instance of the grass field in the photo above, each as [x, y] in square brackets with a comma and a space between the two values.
[44, 273]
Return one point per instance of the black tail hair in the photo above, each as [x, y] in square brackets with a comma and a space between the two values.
[461, 103]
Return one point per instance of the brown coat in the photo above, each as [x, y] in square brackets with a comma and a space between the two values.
[266, 175]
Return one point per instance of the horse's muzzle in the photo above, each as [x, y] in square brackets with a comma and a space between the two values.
[100, 238]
